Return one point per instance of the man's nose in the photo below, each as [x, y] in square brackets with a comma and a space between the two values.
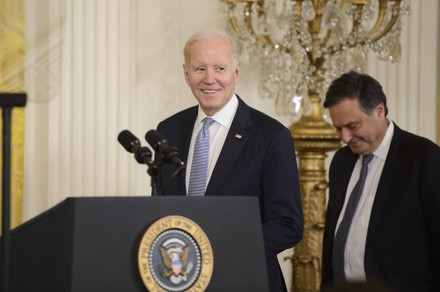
[345, 135]
[209, 76]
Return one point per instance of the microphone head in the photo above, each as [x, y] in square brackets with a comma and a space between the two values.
[143, 155]
[128, 141]
[155, 139]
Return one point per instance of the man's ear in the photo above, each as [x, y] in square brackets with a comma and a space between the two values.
[380, 110]
[185, 73]
[237, 73]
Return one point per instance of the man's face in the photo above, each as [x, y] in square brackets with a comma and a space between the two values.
[211, 73]
[363, 133]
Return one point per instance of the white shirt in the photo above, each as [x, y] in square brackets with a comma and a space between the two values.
[357, 236]
[217, 135]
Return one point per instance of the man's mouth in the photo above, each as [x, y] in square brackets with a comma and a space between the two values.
[354, 141]
[209, 91]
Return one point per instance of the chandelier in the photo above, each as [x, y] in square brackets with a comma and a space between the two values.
[302, 45]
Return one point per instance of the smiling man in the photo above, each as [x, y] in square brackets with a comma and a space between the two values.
[383, 215]
[247, 153]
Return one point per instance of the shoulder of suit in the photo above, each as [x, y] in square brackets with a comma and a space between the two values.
[262, 118]
[183, 114]
[411, 142]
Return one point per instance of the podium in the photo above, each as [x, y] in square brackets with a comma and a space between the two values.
[91, 244]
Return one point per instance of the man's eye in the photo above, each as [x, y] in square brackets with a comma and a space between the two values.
[353, 126]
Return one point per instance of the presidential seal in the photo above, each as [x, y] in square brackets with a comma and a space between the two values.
[175, 255]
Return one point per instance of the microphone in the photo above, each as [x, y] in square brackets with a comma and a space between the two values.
[131, 144]
[169, 153]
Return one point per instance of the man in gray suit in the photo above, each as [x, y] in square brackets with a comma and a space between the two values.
[394, 235]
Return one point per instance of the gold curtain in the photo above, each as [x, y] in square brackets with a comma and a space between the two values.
[12, 80]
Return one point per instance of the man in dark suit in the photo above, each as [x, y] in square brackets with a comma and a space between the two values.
[394, 238]
[250, 154]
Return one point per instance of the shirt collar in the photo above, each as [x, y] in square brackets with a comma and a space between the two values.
[384, 146]
[224, 116]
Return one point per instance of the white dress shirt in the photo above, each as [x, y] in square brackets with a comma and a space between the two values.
[217, 135]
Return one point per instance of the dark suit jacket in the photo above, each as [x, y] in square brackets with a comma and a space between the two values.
[403, 238]
[262, 163]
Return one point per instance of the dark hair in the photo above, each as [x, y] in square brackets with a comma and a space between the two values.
[354, 85]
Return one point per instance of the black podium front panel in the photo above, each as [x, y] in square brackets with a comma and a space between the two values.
[91, 244]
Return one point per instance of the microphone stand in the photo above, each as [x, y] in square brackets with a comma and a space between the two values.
[7, 102]
[153, 171]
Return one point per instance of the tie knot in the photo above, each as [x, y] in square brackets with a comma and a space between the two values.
[207, 122]
[366, 159]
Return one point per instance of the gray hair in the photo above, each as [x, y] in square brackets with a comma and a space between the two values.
[207, 35]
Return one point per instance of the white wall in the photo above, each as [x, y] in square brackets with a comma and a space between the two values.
[94, 68]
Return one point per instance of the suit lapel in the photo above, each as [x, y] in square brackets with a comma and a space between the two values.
[386, 184]
[341, 186]
[185, 133]
[340, 179]
[183, 142]
[236, 139]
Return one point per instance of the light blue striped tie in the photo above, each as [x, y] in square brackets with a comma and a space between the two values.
[344, 227]
[199, 167]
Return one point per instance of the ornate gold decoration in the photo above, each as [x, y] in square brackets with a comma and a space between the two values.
[312, 140]
[302, 46]
[12, 80]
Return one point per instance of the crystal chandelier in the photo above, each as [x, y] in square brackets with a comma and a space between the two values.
[302, 45]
